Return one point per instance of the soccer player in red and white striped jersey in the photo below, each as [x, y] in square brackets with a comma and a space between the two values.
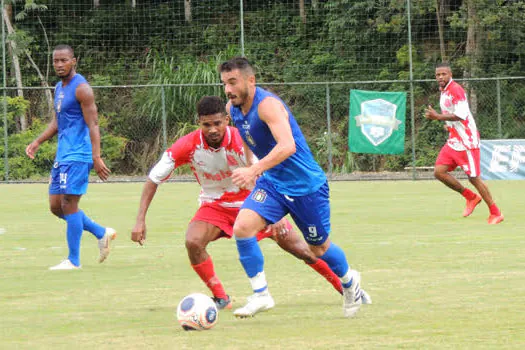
[462, 147]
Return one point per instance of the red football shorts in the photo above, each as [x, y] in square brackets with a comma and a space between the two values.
[224, 218]
[468, 160]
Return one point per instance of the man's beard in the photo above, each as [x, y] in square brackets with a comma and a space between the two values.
[64, 74]
[242, 97]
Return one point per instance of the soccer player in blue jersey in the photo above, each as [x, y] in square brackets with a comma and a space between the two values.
[78, 151]
[287, 179]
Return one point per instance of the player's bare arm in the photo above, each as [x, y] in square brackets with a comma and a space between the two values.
[432, 114]
[159, 173]
[272, 112]
[138, 234]
[86, 98]
[51, 130]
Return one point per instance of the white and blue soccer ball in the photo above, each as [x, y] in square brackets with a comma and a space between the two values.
[197, 312]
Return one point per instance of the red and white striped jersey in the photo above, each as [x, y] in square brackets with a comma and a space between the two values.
[462, 134]
[212, 167]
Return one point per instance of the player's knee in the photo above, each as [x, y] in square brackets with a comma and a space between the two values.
[195, 244]
[57, 211]
[243, 229]
[67, 208]
[69, 204]
[474, 180]
[438, 174]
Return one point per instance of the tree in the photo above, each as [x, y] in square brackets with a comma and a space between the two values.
[7, 13]
[302, 13]
[24, 43]
[472, 50]
[441, 6]
[187, 10]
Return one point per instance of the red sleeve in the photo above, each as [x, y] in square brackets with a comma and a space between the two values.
[457, 93]
[182, 150]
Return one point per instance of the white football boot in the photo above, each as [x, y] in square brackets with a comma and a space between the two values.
[352, 296]
[65, 265]
[256, 303]
[365, 297]
[104, 243]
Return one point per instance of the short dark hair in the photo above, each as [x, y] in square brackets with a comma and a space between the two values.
[443, 65]
[209, 105]
[240, 63]
[65, 47]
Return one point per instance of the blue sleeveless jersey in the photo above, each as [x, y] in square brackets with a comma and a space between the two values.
[74, 143]
[297, 175]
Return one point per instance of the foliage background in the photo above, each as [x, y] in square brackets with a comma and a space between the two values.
[151, 60]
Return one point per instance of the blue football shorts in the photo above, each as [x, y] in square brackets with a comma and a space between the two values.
[311, 213]
[69, 178]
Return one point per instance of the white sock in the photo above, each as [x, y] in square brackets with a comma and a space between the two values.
[258, 282]
[346, 278]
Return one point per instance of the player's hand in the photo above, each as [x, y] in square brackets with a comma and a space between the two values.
[280, 229]
[244, 177]
[430, 113]
[101, 168]
[138, 234]
[32, 148]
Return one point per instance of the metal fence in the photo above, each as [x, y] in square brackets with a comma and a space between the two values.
[136, 142]
[139, 121]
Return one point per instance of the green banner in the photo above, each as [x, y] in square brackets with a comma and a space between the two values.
[377, 122]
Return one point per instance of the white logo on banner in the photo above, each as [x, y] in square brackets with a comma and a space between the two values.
[377, 120]
[507, 158]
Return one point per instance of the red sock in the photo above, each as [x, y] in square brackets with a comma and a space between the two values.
[468, 194]
[494, 210]
[206, 272]
[322, 268]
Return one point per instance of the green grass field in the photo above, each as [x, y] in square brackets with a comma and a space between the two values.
[438, 281]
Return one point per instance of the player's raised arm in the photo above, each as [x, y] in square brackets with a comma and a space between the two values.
[51, 130]
[86, 98]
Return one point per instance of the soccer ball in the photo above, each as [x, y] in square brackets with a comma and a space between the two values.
[197, 312]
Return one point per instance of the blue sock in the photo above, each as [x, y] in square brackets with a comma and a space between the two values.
[91, 226]
[252, 260]
[74, 234]
[336, 260]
